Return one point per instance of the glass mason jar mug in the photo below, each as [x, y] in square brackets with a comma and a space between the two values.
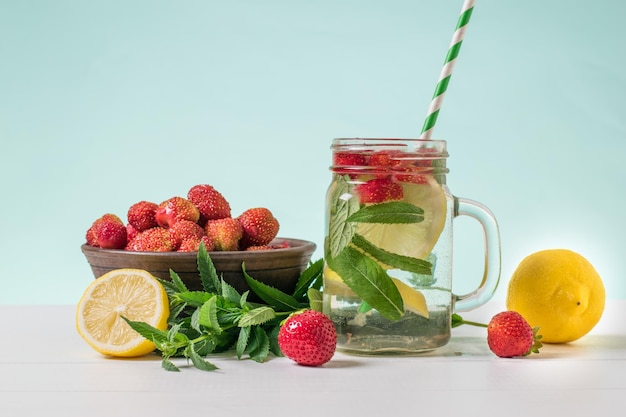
[388, 246]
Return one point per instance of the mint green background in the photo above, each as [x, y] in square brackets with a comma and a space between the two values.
[105, 103]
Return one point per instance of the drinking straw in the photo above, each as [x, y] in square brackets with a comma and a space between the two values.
[446, 71]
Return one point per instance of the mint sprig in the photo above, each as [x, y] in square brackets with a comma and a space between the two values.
[219, 319]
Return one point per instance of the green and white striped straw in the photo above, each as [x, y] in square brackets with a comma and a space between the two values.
[446, 71]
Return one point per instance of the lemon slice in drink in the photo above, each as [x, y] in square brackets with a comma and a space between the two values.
[414, 301]
[334, 285]
[415, 240]
[132, 293]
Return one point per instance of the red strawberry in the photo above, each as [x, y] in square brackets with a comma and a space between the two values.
[210, 202]
[141, 215]
[259, 225]
[107, 232]
[308, 338]
[131, 232]
[156, 239]
[174, 209]
[183, 230]
[385, 159]
[379, 190]
[193, 244]
[225, 233]
[349, 159]
[258, 248]
[510, 335]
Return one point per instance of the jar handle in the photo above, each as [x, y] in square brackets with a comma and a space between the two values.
[491, 273]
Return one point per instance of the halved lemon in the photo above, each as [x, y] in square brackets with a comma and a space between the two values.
[131, 293]
[415, 240]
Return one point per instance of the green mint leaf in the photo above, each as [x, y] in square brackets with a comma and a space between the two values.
[369, 281]
[147, 331]
[272, 333]
[256, 316]
[310, 277]
[208, 273]
[194, 298]
[198, 361]
[340, 230]
[177, 282]
[315, 299]
[230, 293]
[258, 344]
[168, 285]
[169, 366]
[207, 316]
[272, 296]
[388, 213]
[406, 263]
[242, 341]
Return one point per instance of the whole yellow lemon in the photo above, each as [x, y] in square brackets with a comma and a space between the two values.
[559, 291]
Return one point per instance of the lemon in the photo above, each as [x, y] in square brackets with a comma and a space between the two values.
[132, 293]
[415, 240]
[559, 291]
[413, 300]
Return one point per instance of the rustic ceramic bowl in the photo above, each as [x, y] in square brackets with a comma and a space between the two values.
[279, 268]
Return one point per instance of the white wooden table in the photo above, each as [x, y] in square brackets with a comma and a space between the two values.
[47, 369]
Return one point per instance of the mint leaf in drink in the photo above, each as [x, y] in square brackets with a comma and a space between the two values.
[340, 231]
[388, 213]
[369, 281]
[406, 263]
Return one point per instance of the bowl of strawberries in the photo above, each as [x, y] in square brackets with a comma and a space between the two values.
[159, 237]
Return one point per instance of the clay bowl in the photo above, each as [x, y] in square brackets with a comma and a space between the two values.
[279, 268]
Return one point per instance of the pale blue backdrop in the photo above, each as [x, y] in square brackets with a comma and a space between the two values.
[105, 103]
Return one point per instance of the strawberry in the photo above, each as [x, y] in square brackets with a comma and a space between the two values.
[259, 225]
[183, 230]
[379, 190]
[225, 233]
[141, 215]
[131, 232]
[509, 335]
[174, 209]
[309, 338]
[107, 232]
[383, 159]
[210, 202]
[156, 239]
[193, 244]
[346, 159]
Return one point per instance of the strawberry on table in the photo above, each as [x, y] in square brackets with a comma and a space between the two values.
[308, 338]
[509, 335]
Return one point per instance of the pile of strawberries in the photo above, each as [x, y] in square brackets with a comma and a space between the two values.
[182, 224]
